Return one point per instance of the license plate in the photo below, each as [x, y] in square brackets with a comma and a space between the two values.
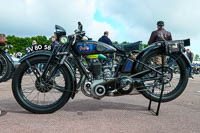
[38, 48]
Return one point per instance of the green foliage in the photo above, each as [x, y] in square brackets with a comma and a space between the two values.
[20, 44]
[196, 58]
[124, 42]
[115, 42]
[145, 45]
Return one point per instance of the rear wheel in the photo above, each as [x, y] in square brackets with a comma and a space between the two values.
[39, 96]
[174, 82]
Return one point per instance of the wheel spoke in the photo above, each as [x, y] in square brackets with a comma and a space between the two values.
[32, 79]
[29, 94]
[34, 96]
[171, 80]
[44, 98]
[38, 97]
[51, 91]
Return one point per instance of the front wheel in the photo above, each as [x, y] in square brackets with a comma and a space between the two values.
[37, 95]
[174, 83]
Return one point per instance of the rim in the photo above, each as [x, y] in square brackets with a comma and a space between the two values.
[41, 94]
[172, 76]
[3, 66]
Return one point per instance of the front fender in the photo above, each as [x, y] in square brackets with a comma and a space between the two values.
[33, 54]
[66, 63]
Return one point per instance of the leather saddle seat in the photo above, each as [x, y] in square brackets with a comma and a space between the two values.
[129, 46]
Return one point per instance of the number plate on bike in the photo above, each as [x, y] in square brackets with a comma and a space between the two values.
[38, 48]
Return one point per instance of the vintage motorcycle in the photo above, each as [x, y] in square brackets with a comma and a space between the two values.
[6, 62]
[103, 70]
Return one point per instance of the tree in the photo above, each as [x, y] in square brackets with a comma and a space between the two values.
[196, 58]
[115, 42]
[124, 42]
[20, 44]
[145, 45]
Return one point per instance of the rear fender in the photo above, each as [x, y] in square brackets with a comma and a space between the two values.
[186, 59]
[157, 46]
[142, 54]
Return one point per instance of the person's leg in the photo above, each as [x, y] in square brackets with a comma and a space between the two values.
[171, 62]
[158, 60]
[190, 72]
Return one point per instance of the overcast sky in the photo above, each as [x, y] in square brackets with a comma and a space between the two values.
[126, 20]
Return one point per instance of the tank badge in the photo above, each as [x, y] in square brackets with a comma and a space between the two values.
[84, 48]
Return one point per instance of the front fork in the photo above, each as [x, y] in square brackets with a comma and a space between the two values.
[47, 66]
[43, 76]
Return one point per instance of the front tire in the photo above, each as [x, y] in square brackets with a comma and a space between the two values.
[24, 85]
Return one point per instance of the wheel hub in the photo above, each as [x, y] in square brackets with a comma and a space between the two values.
[168, 75]
[43, 86]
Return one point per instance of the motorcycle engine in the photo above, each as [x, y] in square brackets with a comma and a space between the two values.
[96, 68]
[101, 70]
[103, 81]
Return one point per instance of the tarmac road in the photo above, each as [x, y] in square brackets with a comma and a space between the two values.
[126, 114]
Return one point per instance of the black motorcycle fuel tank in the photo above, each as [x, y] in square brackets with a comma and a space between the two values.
[93, 47]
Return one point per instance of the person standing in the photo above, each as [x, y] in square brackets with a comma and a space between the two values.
[53, 40]
[190, 55]
[159, 35]
[3, 39]
[34, 43]
[105, 38]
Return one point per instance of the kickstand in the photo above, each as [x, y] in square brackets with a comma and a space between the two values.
[161, 94]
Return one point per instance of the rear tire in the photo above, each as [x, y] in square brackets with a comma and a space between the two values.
[177, 90]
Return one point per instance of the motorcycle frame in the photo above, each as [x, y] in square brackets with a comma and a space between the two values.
[84, 71]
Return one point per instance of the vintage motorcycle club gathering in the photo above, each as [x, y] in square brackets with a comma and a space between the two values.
[47, 76]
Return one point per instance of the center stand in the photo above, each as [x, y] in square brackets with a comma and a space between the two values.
[161, 94]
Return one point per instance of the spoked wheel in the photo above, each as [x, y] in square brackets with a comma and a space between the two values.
[3, 67]
[6, 68]
[38, 95]
[174, 83]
